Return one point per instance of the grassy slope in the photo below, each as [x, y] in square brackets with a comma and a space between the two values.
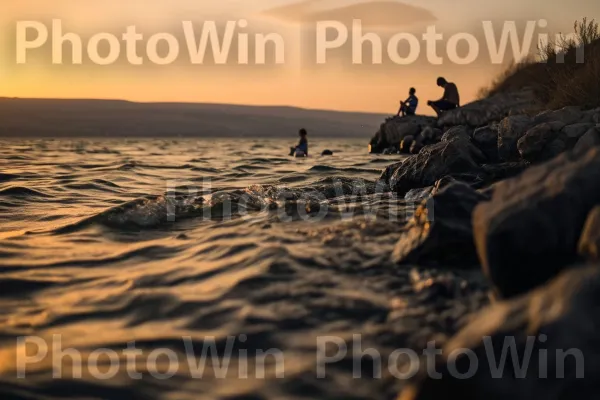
[560, 83]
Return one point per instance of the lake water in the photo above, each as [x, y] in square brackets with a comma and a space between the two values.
[122, 261]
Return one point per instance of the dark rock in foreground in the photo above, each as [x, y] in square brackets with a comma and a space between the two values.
[542, 346]
[440, 232]
[530, 229]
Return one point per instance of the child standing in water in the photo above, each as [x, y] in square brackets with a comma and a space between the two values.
[302, 149]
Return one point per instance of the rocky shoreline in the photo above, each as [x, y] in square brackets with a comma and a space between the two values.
[514, 192]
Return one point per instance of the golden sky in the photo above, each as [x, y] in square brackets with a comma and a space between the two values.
[338, 85]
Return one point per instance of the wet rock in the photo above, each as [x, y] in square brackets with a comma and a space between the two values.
[510, 130]
[566, 115]
[327, 153]
[418, 195]
[440, 232]
[590, 139]
[589, 243]
[457, 132]
[543, 142]
[541, 346]
[488, 110]
[433, 163]
[406, 143]
[529, 230]
[486, 139]
[394, 130]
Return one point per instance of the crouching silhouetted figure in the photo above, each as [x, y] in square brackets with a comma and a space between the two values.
[449, 101]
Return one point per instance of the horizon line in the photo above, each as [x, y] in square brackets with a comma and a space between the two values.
[100, 99]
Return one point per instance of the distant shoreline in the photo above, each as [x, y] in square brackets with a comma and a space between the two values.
[83, 118]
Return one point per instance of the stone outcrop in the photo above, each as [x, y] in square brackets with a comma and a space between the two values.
[530, 228]
[394, 130]
[489, 110]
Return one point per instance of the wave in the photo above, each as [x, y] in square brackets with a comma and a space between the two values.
[22, 191]
[8, 177]
[352, 170]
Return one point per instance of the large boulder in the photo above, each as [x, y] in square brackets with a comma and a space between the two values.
[488, 110]
[440, 232]
[510, 130]
[433, 163]
[589, 243]
[529, 230]
[542, 346]
[590, 139]
[543, 142]
[394, 130]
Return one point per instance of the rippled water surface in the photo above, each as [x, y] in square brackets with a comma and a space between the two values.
[182, 245]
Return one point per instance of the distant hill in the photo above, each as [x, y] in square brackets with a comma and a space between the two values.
[113, 118]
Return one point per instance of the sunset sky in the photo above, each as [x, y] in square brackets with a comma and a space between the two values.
[338, 85]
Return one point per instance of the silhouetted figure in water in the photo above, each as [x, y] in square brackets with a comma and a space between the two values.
[449, 101]
[302, 149]
[409, 106]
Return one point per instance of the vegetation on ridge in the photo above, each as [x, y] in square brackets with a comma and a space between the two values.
[566, 73]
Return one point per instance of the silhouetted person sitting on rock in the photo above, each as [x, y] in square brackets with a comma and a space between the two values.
[302, 149]
[449, 101]
[409, 106]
